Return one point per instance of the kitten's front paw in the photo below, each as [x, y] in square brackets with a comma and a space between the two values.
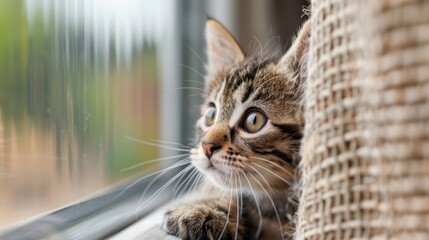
[197, 222]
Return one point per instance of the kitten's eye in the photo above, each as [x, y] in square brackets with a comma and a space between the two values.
[254, 122]
[210, 116]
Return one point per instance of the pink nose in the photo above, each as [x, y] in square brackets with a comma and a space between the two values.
[210, 148]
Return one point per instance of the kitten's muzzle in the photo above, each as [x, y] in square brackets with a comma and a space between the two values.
[210, 148]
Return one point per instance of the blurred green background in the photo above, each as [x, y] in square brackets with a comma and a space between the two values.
[68, 96]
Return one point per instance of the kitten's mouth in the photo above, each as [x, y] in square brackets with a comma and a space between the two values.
[215, 167]
[212, 166]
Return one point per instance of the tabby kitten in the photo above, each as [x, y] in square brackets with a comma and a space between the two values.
[248, 143]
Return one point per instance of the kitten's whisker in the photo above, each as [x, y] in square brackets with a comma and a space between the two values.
[271, 200]
[241, 195]
[183, 182]
[192, 69]
[200, 83]
[193, 81]
[149, 175]
[154, 144]
[159, 191]
[189, 181]
[196, 182]
[154, 180]
[260, 45]
[275, 174]
[163, 187]
[190, 88]
[178, 182]
[238, 210]
[172, 143]
[262, 176]
[240, 207]
[196, 54]
[270, 40]
[275, 164]
[152, 161]
[262, 50]
[229, 210]
[266, 181]
[258, 230]
[196, 94]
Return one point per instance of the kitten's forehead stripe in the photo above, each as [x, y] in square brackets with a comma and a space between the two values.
[247, 93]
[245, 72]
[239, 77]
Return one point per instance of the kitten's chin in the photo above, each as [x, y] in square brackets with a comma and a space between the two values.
[213, 172]
[201, 163]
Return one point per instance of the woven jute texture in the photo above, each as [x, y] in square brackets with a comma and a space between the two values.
[396, 71]
[366, 144]
[337, 200]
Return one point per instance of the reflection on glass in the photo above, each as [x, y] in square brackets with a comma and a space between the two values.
[77, 77]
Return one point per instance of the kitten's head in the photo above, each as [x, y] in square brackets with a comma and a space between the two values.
[252, 118]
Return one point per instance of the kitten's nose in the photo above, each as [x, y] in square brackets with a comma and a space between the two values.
[210, 148]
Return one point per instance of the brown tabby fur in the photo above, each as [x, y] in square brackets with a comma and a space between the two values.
[251, 177]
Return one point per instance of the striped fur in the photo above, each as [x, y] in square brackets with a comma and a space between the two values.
[249, 193]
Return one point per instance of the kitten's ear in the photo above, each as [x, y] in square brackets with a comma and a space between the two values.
[291, 62]
[222, 49]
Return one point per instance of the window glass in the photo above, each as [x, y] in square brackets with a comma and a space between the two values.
[79, 87]
[91, 91]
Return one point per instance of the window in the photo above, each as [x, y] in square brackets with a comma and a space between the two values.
[92, 91]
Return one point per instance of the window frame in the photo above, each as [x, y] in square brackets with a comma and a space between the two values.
[120, 206]
[109, 212]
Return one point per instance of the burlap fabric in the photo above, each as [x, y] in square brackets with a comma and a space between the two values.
[396, 72]
[366, 146]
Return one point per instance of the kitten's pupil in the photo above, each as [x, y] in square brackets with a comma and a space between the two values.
[255, 121]
[210, 116]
